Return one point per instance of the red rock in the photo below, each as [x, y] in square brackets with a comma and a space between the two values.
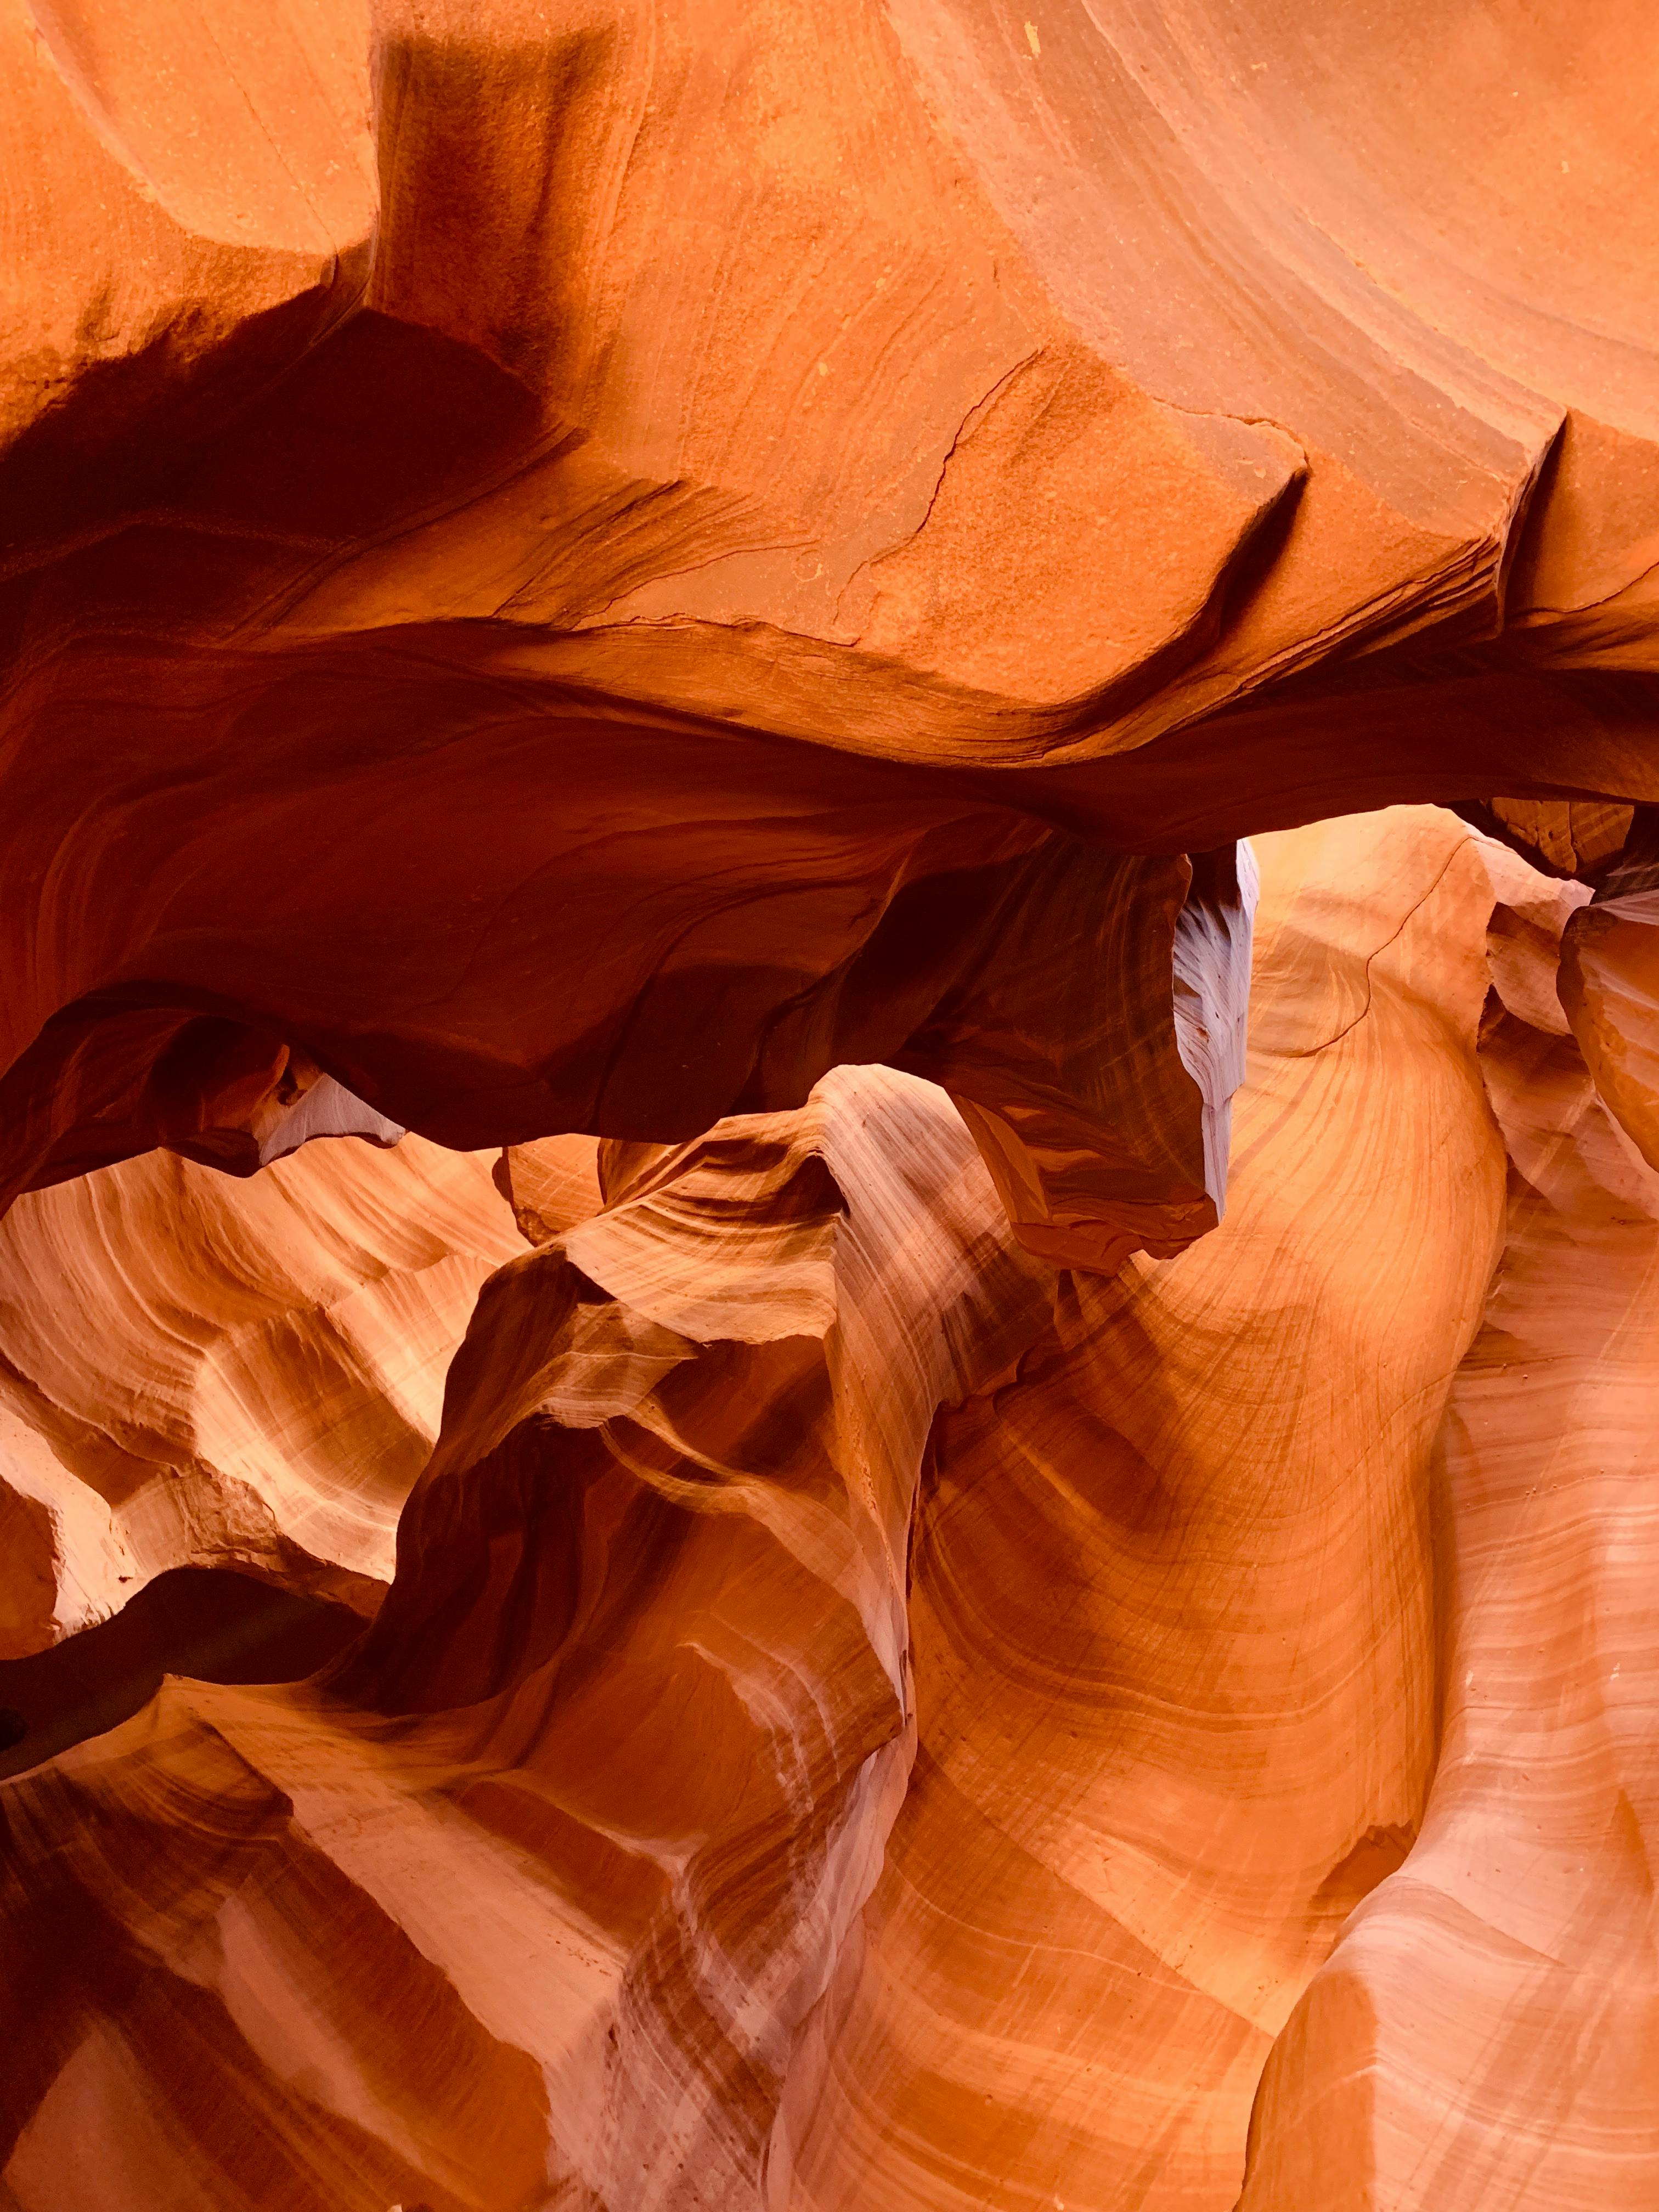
[1485, 2030]
[195, 1371]
[1111, 402]
[691, 601]
[546, 1883]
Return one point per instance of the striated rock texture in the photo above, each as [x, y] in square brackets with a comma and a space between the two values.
[572, 565]
[195, 1371]
[1485, 2032]
[537, 1897]
[1173, 1601]
[943, 1518]
[671, 1841]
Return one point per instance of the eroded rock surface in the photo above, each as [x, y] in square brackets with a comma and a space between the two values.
[1162, 1574]
[763, 1829]
[1485, 2032]
[197, 1371]
[568, 563]
[679, 625]
[608, 1782]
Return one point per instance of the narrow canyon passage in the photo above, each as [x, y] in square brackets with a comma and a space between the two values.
[758, 1786]
[829, 1106]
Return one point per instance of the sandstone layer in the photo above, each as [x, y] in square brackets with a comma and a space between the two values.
[202, 1372]
[829, 1106]
[572, 567]
[668, 1841]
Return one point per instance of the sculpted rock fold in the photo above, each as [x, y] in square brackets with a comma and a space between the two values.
[629, 1732]
[626, 1756]
[1485, 2030]
[195, 1372]
[654, 591]
[481, 652]
[1173, 1602]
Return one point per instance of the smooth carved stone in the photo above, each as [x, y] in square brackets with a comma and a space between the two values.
[1609, 986]
[212, 1623]
[541, 1891]
[726, 1843]
[195, 1371]
[1487, 2029]
[1091, 1038]
[539, 538]
[1079, 1055]
[1574, 839]
[962, 952]
[654, 591]
[551, 1186]
[1173, 1604]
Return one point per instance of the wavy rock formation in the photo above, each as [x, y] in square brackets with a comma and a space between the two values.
[1486, 2030]
[1609, 986]
[731, 1876]
[540, 665]
[996, 1605]
[215, 1624]
[197, 1371]
[551, 1186]
[559, 1926]
[1172, 1601]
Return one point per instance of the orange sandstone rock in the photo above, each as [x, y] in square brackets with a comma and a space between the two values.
[1174, 1604]
[195, 1371]
[1485, 2030]
[692, 600]
[551, 1186]
[580, 520]
[542, 1889]
[738, 1876]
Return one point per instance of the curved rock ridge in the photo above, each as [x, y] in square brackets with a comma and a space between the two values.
[1086, 1003]
[538, 1896]
[1173, 1602]
[1002, 1591]
[551, 1185]
[1608, 986]
[690, 1829]
[218, 1624]
[540, 537]
[1484, 2031]
[195, 1372]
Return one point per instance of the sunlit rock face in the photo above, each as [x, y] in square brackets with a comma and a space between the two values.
[201, 1372]
[829, 1106]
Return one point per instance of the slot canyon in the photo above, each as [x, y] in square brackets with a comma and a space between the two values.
[829, 1106]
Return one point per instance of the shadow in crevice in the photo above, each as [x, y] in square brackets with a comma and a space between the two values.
[209, 1623]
